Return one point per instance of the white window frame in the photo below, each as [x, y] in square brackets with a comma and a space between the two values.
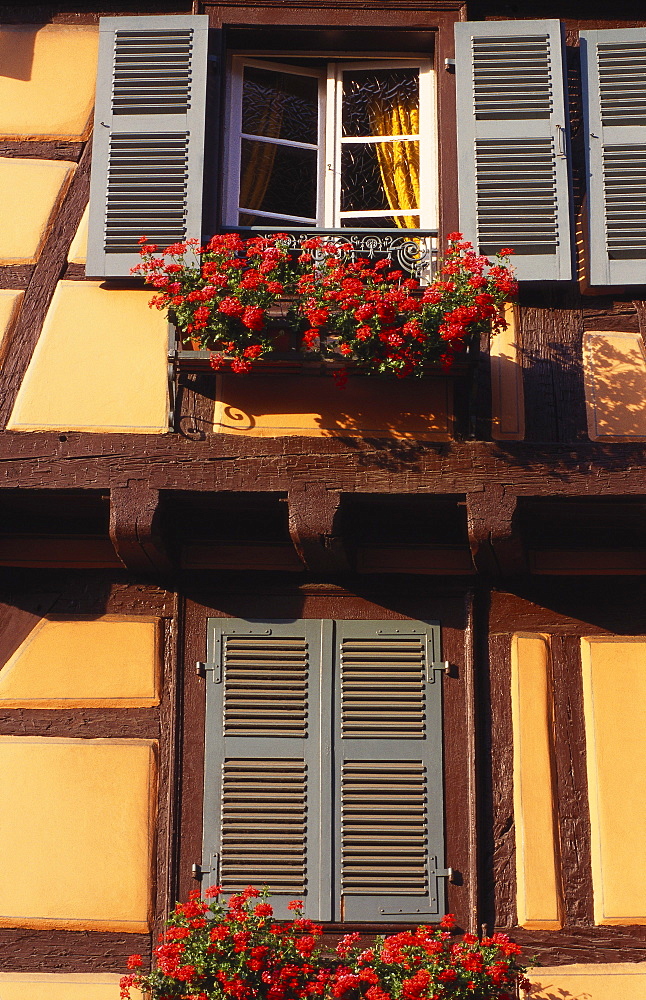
[330, 140]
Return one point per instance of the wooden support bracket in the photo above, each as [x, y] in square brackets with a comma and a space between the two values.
[494, 538]
[313, 514]
[134, 531]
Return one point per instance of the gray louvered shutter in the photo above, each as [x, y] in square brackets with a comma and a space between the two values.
[148, 146]
[613, 66]
[266, 723]
[513, 174]
[388, 752]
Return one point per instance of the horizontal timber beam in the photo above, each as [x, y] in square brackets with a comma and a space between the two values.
[112, 461]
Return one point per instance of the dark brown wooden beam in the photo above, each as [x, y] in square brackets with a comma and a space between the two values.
[83, 723]
[167, 461]
[53, 149]
[16, 276]
[313, 528]
[134, 529]
[494, 537]
[27, 950]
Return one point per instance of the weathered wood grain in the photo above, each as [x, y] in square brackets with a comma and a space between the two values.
[81, 723]
[16, 276]
[27, 950]
[571, 782]
[52, 149]
[84, 461]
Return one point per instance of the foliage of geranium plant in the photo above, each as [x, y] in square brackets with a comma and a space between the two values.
[346, 308]
[213, 950]
[428, 964]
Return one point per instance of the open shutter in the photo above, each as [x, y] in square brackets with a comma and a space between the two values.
[613, 65]
[148, 147]
[264, 802]
[388, 753]
[512, 144]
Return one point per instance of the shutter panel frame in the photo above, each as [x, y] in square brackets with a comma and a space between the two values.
[238, 760]
[148, 124]
[403, 772]
[492, 121]
[613, 149]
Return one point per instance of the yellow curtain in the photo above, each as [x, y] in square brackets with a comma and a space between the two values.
[398, 161]
[257, 173]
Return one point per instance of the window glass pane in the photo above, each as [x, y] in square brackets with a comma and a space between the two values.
[380, 102]
[280, 105]
[280, 179]
[380, 222]
[379, 175]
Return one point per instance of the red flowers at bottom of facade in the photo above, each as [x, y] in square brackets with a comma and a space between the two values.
[236, 950]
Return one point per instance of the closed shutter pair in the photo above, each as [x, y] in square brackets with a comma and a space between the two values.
[323, 766]
[513, 143]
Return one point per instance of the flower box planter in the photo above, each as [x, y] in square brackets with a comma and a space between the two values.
[346, 311]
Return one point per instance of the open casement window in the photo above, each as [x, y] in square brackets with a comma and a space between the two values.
[323, 771]
[148, 144]
[513, 143]
[336, 144]
[613, 65]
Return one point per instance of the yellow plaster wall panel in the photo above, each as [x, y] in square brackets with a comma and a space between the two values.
[100, 364]
[101, 662]
[614, 689]
[31, 192]
[61, 986]
[507, 398]
[617, 981]
[538, 895]
[78, 248]
[47, 80]
[273, 406]
[10, 302]
[85, 808]
[615, 386]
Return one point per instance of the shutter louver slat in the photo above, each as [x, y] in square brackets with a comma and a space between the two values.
[514, 81]
[152, 72]
[384, 827]
[513, 172]
[614, 92]
[263, 824]
[147, 158]
[382, 688]
[265, 691]
[147, 187]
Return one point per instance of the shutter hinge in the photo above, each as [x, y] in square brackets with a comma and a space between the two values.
[439, 665]
[199, 870]
[449, 873]
[449, 65]
[201, 670]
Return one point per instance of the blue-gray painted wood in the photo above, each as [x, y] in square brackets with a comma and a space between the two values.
[613, 71]
[148, 143]
[513, 160]
[244, 759]
[389, 799]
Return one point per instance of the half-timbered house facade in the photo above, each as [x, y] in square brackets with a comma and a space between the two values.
[382, 647]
